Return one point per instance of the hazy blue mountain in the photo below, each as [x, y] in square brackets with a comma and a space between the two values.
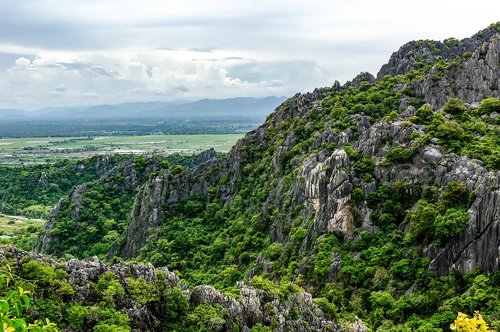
[206, 108]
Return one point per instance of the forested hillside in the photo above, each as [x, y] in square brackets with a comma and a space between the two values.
[373, 205]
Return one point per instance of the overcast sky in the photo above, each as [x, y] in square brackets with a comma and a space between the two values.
[72, 52]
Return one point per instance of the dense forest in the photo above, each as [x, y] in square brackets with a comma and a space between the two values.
[371, 206]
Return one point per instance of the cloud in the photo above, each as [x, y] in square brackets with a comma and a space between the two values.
[23, 62]
[124, 50]
[62, 78]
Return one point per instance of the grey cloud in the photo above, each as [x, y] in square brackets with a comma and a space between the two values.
[181, 88]
[61, 88]
[202, 49]
[103, 72]
[72, 65]
[255, 72]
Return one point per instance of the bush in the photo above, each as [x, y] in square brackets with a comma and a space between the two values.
[422, 222]
[260, 328]
[399, 155]
[454, 194]
[207, 318]
[488, 106]
[454, 106]
[176, 304]
[364, 168]
[451, 224]
[424, 114]
[299, 234]
[75, 316]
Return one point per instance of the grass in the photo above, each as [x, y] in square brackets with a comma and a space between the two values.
[20, 232]
[31, 150]
[12, 225]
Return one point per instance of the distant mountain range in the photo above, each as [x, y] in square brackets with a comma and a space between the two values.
[240, 107]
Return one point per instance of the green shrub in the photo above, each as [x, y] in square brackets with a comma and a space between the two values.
[451, 224]
[141, 291]
[399, 155]
[299, 234]
[424, 115]
[260, 328]
[454, 106]
[109, 288]
[489, 105]
[207, 318]
[364, 168]
[75, 316]
[175, 303]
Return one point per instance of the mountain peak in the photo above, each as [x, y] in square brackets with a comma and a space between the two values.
[418, 54]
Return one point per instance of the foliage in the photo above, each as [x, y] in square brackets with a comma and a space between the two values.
[443, 220]
[13, 305]
[207, 318]
[454, 106]
[399, 155]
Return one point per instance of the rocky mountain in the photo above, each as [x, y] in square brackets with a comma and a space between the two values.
[380, 198]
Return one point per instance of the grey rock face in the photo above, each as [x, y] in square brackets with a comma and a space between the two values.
[471, 80]
[146, 211]
[328, 190]
[411, 54]
[163, 190]
[46, 238]
[361, 77]
[479, 244]
[255, 306]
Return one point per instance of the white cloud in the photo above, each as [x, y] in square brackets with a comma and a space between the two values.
[22, 62]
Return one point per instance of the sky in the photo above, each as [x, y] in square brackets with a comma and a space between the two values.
[85, 52]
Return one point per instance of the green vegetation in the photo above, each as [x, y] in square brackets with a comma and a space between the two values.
[469, 132]
[33, 190]
[19, 231]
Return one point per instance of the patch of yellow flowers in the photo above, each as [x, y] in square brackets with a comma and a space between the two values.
[465, 324]
[7, 328]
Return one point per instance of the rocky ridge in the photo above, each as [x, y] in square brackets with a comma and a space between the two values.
[252, 307]
[415, 54]
[326, 193]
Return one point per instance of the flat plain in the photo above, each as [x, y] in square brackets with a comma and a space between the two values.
[34, 150]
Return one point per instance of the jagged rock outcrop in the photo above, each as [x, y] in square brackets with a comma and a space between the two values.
[361, 77]
[470, 80]
[415, 53]
[328, 189]
[130, 182]
[253, 306]
[329, 181]
[256, 306]
[163, 190]
[479, 244]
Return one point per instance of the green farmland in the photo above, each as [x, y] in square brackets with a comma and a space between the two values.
[34, 150]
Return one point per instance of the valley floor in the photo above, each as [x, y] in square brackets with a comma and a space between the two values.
[36, 150]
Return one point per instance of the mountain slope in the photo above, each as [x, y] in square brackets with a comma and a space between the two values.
[380, 197]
